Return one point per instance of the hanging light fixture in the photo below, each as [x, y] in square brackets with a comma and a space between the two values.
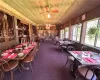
[49, 15]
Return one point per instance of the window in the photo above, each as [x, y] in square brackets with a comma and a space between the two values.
[62, 34]
[76, 32]
[90, 38]
[66, 32]
[98, 40]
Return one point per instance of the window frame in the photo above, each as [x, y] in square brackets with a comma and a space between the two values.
[96, 37]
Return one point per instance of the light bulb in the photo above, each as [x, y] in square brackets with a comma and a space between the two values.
[49, 15]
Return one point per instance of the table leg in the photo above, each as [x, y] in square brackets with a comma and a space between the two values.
[25, 68]
[75, 66]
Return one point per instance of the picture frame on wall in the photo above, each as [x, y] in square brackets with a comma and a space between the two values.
[11, 27]
[2, 38]
[6, 27]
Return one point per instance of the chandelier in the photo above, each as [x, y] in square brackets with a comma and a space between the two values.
[48, 26]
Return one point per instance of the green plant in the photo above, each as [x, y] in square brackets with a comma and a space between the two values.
[92, 32]
[66, 30]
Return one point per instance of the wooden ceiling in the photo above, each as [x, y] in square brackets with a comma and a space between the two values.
[36, 11]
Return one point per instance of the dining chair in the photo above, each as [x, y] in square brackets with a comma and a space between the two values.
[84, 48]
[36, 48]
[70, 59]
[9, 66]
[96, 70]
[23, 40]
[28, 60]
[70, 48]
[6, 47]
[85, 73]
[62, 47]
[37, 44]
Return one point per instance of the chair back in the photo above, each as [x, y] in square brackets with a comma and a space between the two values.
[84, 48]
[70, 48]
[23, 40]
[87, 73]
[5, 62]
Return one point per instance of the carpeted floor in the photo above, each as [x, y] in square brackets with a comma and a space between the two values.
[49, 65]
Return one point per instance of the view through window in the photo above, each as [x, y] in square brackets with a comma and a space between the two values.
[77, 32]
[62, 34]
[91, 32]
[66, 32]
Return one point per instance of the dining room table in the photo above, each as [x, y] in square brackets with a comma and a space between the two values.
[64, 44]
[19, 52]
[85, 58]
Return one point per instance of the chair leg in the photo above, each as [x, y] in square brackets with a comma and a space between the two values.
[12, 77]
[31, 66]
[66, 62]
[25, 68]
[62, 50]
[77, 75]
[1, 76]
[19, 68]
[70, 67]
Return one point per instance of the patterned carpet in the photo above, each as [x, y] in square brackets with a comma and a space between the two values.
[48, 65]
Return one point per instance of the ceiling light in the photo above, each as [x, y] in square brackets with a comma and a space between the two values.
[49, 15]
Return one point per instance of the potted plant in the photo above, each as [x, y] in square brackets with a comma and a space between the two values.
[92, 32]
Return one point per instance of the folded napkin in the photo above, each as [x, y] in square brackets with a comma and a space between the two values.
[30, 47]
[88, 52]
[10, 50]
[26, 51]
[6, 56]
[12, 56]
[90, 60]
[76, 52]
[18, 46]
[34, 43]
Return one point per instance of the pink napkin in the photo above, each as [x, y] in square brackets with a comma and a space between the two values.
[34, 43]
[25, 43]
[26, 51]
[10, 50]
[98, 58]
[30, 47]
[88, 52]
[90, 60]
[5, 57]
[76, 52]
[19, 46]
[12, 56]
